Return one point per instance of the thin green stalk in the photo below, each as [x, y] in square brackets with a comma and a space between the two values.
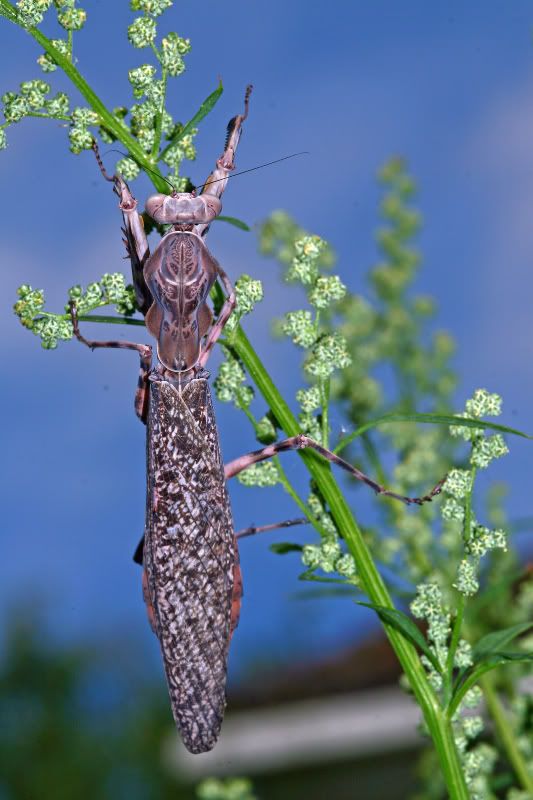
[456, 634]
[159, 117]
[289, 488]
[439, 727]
[467, 524]
[324, 398]
[506, 734]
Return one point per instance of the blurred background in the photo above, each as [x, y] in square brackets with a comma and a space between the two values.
[449, 87]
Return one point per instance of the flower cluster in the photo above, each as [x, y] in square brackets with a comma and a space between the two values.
[52, 328]
[149, 121]
[32, 100]
[478, 540]
[229, 383]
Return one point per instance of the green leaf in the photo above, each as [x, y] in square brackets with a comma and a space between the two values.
[475, 672]
[207, 106]
[493, 642]
[405, 625]
[233, 221]
[285, 547]
[309, 575]
[319, 593]
[435, 419]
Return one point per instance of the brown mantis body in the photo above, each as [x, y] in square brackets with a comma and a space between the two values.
[192, 582]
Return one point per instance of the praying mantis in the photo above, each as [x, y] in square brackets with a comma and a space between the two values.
[191, 580]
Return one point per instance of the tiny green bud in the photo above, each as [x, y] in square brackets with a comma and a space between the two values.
[304, 266]
[300, 327]
[142, 32]
[486, 449]
[46, 61]
[452, 510]
[248, 292]
[329, 353]
[141, 78]
[128, 168]
[3, 138]
[484, 404]
[466, 581]
[327, 289]
[463, 654]
[15, 107]
[58, 106]
[72, 19]
[309, 399]
[153, 7]
[311, 555]
[261, 475]
[265, 431]
[34, 92]
[31, 12]
[173, 48]
[80, 139]
[458, 483]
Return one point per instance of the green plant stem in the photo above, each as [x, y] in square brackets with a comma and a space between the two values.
[456, 633]
[439, 727]
[159, 117]
[506, 734]
[324, 397]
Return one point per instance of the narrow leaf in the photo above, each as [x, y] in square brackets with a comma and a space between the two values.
[435, 419]
[473, 675]
[233, 221]
[285, 547]
[405, 625]
[207, 106]
[495, 641]
[309, 575]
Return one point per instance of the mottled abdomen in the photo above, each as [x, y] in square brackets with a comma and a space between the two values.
[189, 555]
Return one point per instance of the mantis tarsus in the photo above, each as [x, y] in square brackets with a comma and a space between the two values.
[192, 581]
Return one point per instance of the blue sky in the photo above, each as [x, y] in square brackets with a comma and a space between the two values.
[447, 85]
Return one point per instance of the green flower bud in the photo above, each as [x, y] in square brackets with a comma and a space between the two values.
[327, 289]
[58, 106]
[72, 19]
[142, 32]
[45, 60]
[128, 168]
[466, 581]
[329, 353]
[15, 107]
[458, 483]
[153, 7]
[265, 431]
[261, 475]
[31, 12]
[173, 48]
[300, 327]
[487, 449]
[141, 78]
[309, 399]
[34, 92]
[484, 404]
[80, 139]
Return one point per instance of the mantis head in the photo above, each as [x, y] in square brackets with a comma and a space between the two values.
[183, 208]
